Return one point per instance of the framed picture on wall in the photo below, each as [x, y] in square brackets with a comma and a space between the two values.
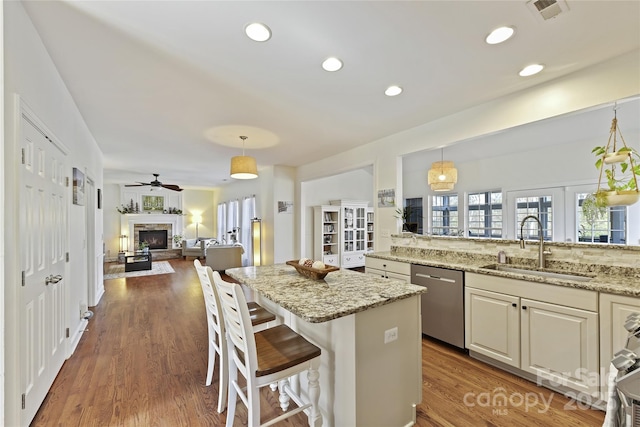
[285, 206]
[152, 203]
[78, 187]
[386, 198]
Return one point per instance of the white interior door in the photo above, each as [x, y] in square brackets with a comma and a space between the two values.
[43, 231]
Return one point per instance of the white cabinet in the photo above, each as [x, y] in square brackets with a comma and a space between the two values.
[545, 330]
[614, 310]
[370, 228]
[326, 240]
[349, 240]
[388, 269]
[492, 325]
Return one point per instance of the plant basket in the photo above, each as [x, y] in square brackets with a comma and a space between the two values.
[622, 198]
[310, 272]
[618, 157]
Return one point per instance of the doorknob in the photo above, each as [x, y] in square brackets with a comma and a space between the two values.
[52, 279]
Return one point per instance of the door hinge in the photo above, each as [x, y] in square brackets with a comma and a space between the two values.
[24, 401]
[67, 256]
[67, 332]
[23, 156]
[66, 181]
[23, 278]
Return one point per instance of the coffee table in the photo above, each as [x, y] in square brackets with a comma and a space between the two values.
[136, 261]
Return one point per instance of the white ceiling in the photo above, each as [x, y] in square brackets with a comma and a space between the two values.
[169, 86]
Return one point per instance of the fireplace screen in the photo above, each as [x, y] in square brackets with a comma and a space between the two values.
[157, 239]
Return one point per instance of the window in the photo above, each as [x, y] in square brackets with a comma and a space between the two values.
[540, 207]
[609, 227]
[415, 214]
[444, 215]
[485, 214]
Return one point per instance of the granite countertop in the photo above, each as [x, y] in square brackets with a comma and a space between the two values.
[341, 293]
[608, 279]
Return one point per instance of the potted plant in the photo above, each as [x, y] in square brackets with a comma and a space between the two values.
[404, 214]
[177, 239]
[143, 247]
[621, 185]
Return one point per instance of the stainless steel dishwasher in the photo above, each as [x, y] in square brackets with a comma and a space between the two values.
[442, 304]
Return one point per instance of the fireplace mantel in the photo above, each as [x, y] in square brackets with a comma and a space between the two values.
[129, 221]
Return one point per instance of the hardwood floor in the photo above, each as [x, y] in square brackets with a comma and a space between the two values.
[143, 360]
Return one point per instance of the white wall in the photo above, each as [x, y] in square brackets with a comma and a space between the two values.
[2, 220]
[278, 230]
[30, 73]
[600, 84]
[352, 185]
[199, 202]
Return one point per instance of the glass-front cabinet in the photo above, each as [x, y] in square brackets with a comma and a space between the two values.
[353, 232]
[343, 233]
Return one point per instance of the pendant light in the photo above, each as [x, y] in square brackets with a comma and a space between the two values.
[243, 167]
[443, 175]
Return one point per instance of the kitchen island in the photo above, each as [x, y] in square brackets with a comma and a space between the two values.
[368, 329]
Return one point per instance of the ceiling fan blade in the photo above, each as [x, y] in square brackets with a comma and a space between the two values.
[171, 187]
[136, 185]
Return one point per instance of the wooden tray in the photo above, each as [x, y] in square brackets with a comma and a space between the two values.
[310, 272]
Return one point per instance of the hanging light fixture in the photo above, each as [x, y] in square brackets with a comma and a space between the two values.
[243, 167]
[442, 175]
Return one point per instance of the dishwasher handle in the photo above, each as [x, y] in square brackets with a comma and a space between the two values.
[429, 276]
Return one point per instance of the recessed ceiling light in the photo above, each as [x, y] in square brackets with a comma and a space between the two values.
[393, 90]
[499, 35]
[332, 64]
[258, 32]
[530, 70]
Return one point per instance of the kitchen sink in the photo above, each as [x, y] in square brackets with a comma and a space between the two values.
[579, 277]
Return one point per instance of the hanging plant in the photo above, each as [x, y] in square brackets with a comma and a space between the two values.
[621, 187]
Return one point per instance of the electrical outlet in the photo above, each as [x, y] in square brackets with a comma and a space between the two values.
[385, 233]
[390, 335]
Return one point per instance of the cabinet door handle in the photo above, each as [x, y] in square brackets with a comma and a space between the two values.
[513, 304]
[524, 307]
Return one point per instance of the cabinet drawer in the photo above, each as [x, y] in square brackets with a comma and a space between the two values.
[388, 266]
[330, 259]
[554, 294]
[353, 260]
[388, 275]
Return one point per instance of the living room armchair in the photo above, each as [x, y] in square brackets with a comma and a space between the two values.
[196, 247]
[222, 257]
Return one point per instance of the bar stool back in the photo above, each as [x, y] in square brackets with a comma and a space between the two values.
[260, 317]
[264, 357]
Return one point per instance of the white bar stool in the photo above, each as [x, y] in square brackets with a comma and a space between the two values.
[260, 319]
[264, 357]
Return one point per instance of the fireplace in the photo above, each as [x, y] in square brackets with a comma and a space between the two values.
[132, 224]
[157, 239]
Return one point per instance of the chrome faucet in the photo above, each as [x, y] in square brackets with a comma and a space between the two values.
[541, 251]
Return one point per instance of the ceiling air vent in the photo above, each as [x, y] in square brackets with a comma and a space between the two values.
[547, 9]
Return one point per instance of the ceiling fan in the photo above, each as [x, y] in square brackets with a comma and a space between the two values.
[156, 183]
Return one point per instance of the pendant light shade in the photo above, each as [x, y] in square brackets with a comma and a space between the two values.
[443, 175]
[243, 167]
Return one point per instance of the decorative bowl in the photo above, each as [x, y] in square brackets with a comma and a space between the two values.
[310, 272]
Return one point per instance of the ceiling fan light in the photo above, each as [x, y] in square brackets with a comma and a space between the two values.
[243, 167]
